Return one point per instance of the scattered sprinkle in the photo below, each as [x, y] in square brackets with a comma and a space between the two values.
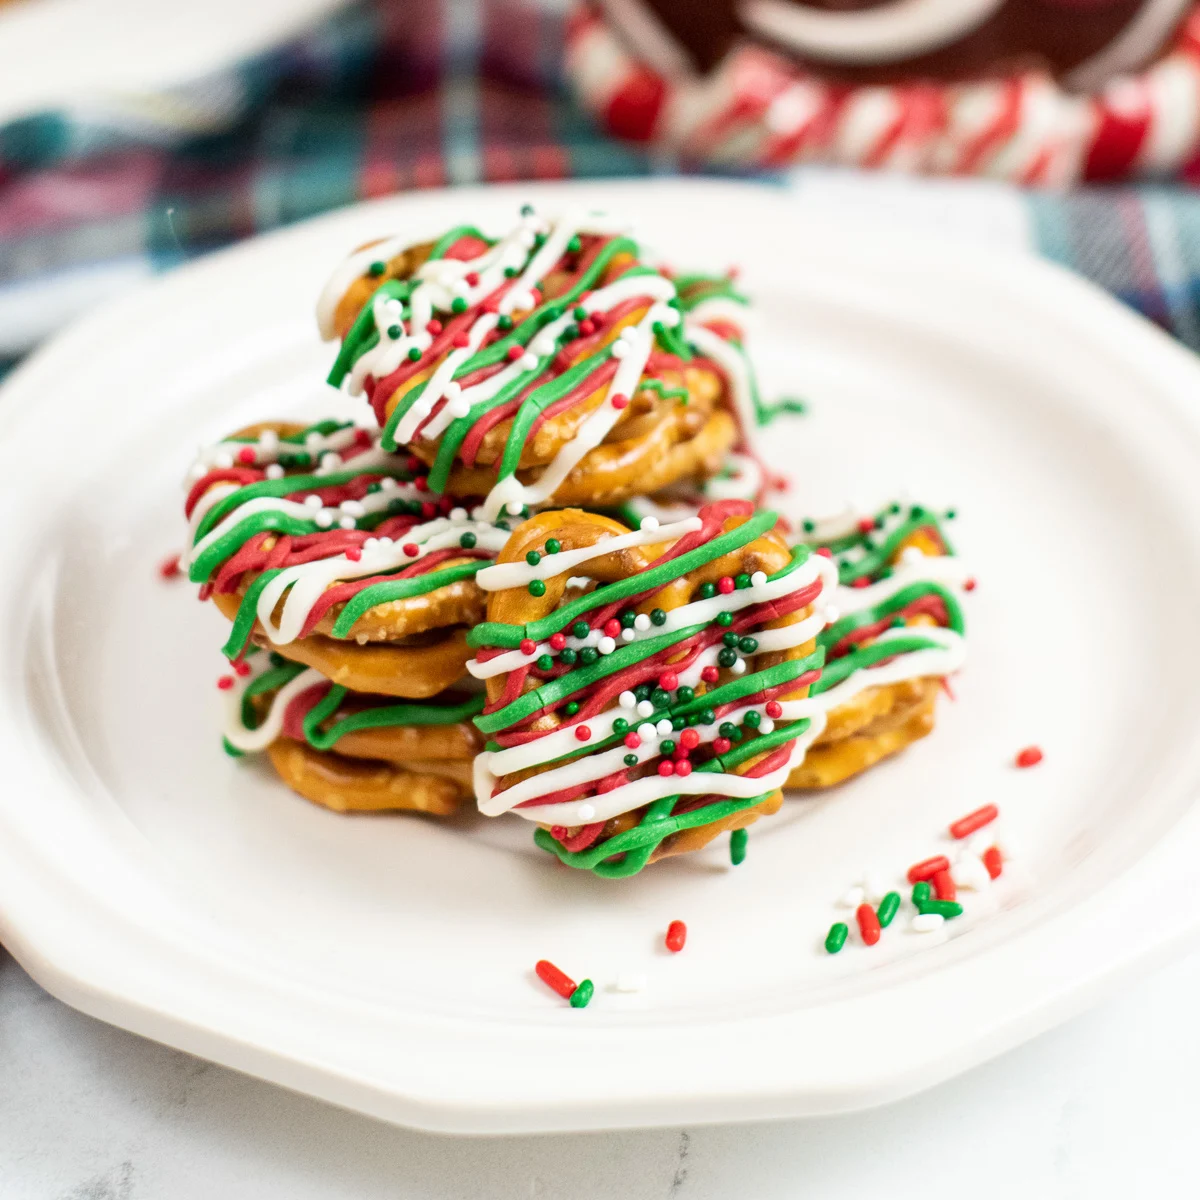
[965, 826]
[676, 936]
[1029, 757]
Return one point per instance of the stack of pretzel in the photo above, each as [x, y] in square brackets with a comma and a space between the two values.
[466, 599]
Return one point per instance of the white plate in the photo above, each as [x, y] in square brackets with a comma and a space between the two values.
[57, 54]
[385, 963]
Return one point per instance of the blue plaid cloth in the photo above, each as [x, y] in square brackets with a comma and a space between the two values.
[391, 95]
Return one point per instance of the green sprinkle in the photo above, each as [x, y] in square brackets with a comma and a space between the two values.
[574, 245]
[916, 512]
[527, 210]
[741, 581]
[753, 718]
[569, 333]
[707, 716]
[658, 617]
[376, 269]
[737, 846]
[509, 272]
[730, 638]
[748, 645]
[666, 746]
[708, 591]
[414, 355]
[631, 760]
[628, 619]
[642, 691]
[678, 723]
[951, 514]
[458, 305]
[727, 729]
[579, 313]
[395, 332]
[533, 558]
[724, 618]
[809, 526]
[589, 655]
[568, 656]
[504, 322]
[835, 939]
[537, 587]
[580, 629]
[660, 698]
[545, 663]
[944, 908]
[620, 726]
[888, 907]
[736, 735]
[553, 546]
[920, 895]
[571, 707]
[467, 541]
[894, 509]
[582, 995]
[727, 657]
[231, 749]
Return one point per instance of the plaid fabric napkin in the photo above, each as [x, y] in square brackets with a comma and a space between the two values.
[390, 95]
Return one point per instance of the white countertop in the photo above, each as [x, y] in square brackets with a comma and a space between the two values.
[1104, 1106]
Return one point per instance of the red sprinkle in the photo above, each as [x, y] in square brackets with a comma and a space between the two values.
[666, 767]
[965, 826]
[434, 326]
[583, 733]
[969, 586]
[710, 674]
[689, 739]
[866, 525]
[868, 924]
[668, 681]
[683, 767]
[410, 548]
[225, 682]
[421, 483]
[721, 745]
[676, 936]
[927, 869]
[993, 861]
[514, 352]
[555, 979]
[774, 709]
[472, 278]
[587, 327]
[558, 832]
[413, 463]
[241, 667]
[169, 567]
[362, 437]
[354, 553]
[619, 401]
[612, 628]
[633, 740]
[528, 646]
[943, 885]
[861, 582]
[725, 585]
[428, 508]
[558, 641]
[1029, 757]
[246, 454]
[824, 552]
[460, 341]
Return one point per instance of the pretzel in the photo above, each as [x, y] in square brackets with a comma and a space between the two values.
[320, 546]
[901, 588]
[547, 367]
[354, 753]
[678, 718]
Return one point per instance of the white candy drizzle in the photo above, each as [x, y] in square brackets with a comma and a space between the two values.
[250, 741]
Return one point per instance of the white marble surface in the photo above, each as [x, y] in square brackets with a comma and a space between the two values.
[1105, 1106]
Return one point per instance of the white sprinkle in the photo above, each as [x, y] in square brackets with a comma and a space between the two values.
[542, 346]
[926, 922]
[459, 407]
[331, 460]
[664, 726]
[352, 508]
[223, 460]
[969, 872]
[649, 523]
[631, 981]
[627, 700]
[526, 238]
[388, 484]
[853, 898]
[527, 362]
[739, 667]
[348, 523]
[313, 441]
[586, 812]
[620, 349]
[199, 471]
[911, 554]
[370, 543]
[874, 888]
[831, 614]
[646, 732]
[606, 645]
[324, 518]
[644, 708]
[627, 635]
[269, 440]
[671, 318]
[766, 725]
[313, 501]
[452, 390]
[758, 578]
[514, 508]
[274, 471]
[641, 622]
